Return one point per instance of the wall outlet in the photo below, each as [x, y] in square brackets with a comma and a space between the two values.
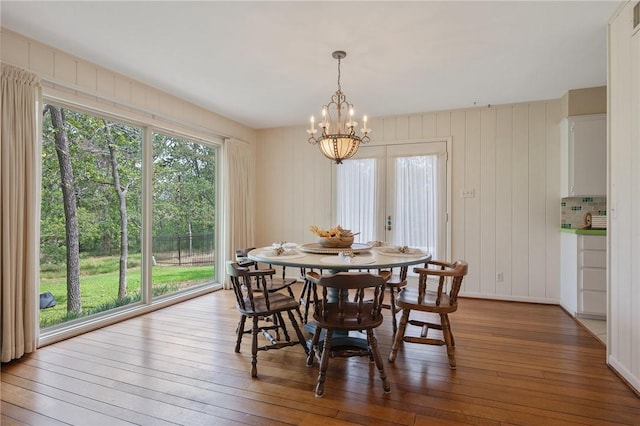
[467, 193]
[499, 277]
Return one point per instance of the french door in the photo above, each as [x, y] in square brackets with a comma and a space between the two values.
[396, 194]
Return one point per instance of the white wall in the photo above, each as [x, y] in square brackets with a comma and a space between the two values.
[84, 83]
[510, 156]
[623, 334]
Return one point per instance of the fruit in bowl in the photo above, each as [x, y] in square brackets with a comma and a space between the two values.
[337, 237]
[336, 242]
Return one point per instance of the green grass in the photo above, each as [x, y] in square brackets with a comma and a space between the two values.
[99, 285]
[89, 266]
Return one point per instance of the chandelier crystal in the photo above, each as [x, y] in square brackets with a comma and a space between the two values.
[338, 140]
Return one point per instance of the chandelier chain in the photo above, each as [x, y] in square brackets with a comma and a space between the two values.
[339, 86]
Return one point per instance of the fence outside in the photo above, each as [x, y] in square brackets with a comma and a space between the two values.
[184, 250]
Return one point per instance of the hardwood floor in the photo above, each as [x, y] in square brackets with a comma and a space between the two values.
[517, 364]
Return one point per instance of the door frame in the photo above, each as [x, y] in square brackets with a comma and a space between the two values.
[448, 183]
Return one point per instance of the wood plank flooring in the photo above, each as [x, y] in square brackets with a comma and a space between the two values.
[518, 363]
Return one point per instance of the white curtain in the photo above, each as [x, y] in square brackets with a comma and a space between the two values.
[357, 197]
[416, 202]
[19, 212]
[239, 198]
[415, 187]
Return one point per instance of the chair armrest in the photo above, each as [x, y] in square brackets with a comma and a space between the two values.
[440, 263]
[313, 276]
[261, 272]
[245, 261]
[436, 272]
[385, 275]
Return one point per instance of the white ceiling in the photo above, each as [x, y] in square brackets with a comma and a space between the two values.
[268, 64]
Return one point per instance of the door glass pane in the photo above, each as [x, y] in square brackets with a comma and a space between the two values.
[356, 197]
[90, 214]
[416, 202]
[184, 214]
[396, 194]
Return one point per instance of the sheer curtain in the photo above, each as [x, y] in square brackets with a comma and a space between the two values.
[19, 212]
[415, 187]
[416, 202]
[239, 196]
[356, 197]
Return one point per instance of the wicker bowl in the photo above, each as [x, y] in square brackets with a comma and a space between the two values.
[335, 242]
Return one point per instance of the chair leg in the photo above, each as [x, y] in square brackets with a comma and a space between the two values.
[314, 346]
[453, 342]
[311, 292]
[240, 331]
[254, 347]
[302, 320]
[276, 323]
[307, 303]
[373, 344]
[448, 339]
[283, 326]
[399, 335]
[324, 363]
[392, 302]
[305, 298]
[296, 327]
[290, 291]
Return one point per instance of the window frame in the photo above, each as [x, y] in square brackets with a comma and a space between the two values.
[146, 304]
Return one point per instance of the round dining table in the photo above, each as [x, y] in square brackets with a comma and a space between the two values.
[359, 257]
[314, 256]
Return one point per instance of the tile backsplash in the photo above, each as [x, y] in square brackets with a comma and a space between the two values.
[574, 208]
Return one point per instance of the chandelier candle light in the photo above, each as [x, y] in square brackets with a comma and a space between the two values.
[337, 116]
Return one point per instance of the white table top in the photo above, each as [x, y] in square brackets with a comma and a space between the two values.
[375, 258]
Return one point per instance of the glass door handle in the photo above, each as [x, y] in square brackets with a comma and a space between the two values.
[388, 223]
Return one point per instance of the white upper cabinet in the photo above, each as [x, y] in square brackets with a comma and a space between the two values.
[584, 155]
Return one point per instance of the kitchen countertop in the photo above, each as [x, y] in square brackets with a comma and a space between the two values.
[584, 231]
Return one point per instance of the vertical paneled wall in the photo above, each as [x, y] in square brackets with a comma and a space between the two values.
[623, 311]
[508, 155]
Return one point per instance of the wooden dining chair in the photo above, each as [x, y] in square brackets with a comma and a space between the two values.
[307, 292]
[275, 282]
[438, 302]
[336, 311]
[257, 302]
[394, 285]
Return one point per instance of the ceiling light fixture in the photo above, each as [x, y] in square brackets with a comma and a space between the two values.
[338, 140]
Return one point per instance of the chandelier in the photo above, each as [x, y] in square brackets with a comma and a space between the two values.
[338, 140]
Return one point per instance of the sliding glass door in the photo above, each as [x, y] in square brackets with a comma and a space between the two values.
[90, 249]
[184, 214]
[93, 216]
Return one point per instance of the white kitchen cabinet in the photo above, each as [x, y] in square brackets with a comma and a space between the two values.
[584, 155]
[592, 275]
[569, 273]
[583, 275]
